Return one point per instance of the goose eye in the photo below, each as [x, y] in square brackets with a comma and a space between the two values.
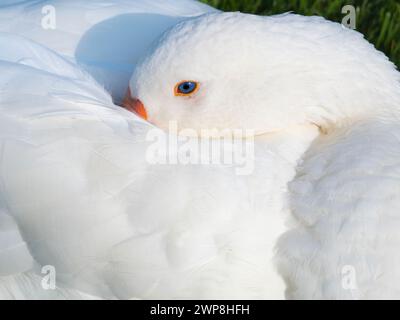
[186, 88]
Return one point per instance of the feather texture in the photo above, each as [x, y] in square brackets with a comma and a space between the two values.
[105, 37]
[87, 201]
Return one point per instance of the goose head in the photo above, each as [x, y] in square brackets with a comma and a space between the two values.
[240, 71]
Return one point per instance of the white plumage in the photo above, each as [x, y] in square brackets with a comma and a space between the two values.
[76, 181]
[345, 199]
[75, 177]
[105, 37]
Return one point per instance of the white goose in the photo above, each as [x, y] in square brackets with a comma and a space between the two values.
[75, 178]
[270, 74]
[77, 182]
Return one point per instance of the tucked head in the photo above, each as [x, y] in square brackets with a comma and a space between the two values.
[239, 71]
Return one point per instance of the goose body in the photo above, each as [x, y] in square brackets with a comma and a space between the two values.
[314, 217]
[80, 195]
[345, 201]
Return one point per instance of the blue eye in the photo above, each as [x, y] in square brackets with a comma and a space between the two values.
[185, 88]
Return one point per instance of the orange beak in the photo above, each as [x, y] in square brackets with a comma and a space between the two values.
[134, 105]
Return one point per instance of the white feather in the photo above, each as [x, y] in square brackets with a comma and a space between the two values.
[105, 37]
[76, 179]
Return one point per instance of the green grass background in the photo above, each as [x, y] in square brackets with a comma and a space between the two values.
[378, 20]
